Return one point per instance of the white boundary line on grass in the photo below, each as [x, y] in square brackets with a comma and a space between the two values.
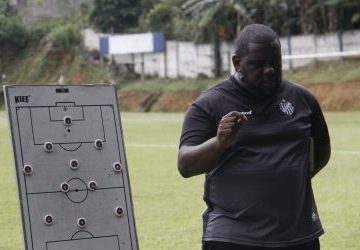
[151, 145]
[347, 152]
[154, 145]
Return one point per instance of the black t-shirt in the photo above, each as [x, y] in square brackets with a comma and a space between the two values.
[260, 191]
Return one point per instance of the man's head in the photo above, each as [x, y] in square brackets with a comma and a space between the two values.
[258, 58]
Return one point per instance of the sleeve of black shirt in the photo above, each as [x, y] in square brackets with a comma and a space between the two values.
[320, 135]
[319, 129]
[198, 126]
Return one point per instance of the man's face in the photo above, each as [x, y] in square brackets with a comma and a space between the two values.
[261, 67]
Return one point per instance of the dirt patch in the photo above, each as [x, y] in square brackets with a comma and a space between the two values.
[337, 97]
[175, 101]
[135, 100]
[80, 77]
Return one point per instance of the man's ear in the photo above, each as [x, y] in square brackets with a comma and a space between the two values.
[236, 60]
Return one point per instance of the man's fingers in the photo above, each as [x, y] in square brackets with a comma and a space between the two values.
[232, 118]
[235, 114]
[227, 124]
[225, 132]
[228, 118]
[231, 123]
[242, 118]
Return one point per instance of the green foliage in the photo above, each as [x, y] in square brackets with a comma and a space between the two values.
[115, 16]
[214, 17]
[36, 34]
[11, 29]
[158, 14]
[167, 16]
[227, 17]
[3, 6]
[65, 36]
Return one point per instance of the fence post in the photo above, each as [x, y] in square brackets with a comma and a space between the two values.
[177, 59]
[142, 67]
[165, 62]
[340, 39]
[315, 47]
[289, 49]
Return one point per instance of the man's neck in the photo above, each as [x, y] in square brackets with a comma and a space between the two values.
[243, 84]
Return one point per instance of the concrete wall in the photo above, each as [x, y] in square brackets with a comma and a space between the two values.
[190, 60]
[91, 39]
[313, 44]
[351, 40]
[182, 60]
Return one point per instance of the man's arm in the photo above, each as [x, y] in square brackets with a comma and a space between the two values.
[321, 139]
[202, 158]
[321, 157]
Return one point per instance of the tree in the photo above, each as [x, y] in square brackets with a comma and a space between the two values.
[341, 14]
[115, 15]
[212, 18]
[167, 16]
[12, 32]
[318, 16]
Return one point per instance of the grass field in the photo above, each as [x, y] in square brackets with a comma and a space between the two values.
[168, 208]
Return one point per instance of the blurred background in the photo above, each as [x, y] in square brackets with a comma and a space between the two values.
[161, 54]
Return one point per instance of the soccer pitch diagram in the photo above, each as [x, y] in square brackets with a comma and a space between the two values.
[71, 167]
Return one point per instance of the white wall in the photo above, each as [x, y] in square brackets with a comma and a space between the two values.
[91, 39]
[190, 60]
[351, 40]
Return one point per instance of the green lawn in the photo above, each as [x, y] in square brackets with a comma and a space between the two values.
[168, 208]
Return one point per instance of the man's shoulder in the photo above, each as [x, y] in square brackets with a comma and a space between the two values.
[299, 93]
[293, 86]
[215, 92]
[297, 88]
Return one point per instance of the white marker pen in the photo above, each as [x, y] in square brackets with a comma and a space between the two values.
[247, 113]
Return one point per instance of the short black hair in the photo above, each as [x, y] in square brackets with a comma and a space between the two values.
[256, 33]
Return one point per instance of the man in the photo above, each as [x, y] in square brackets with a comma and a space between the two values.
[254, 136]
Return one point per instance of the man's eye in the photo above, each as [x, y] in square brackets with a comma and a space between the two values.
[256, 65]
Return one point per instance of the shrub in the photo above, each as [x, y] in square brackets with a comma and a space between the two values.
[65, 36]
[12, 31]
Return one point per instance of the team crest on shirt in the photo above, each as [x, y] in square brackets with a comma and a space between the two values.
[286, 107]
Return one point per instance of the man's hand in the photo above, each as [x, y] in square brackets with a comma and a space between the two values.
[199, 159]
[229, 127]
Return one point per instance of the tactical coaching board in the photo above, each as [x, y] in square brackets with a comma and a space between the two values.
[71, 168]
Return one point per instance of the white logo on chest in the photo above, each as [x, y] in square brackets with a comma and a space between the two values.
[286, 107]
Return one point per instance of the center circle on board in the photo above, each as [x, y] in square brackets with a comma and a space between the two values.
[78, 190]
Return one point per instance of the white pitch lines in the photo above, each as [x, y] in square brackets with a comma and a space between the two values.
[169, 145]
[346, 152]
[155, 145]
[150, 145]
